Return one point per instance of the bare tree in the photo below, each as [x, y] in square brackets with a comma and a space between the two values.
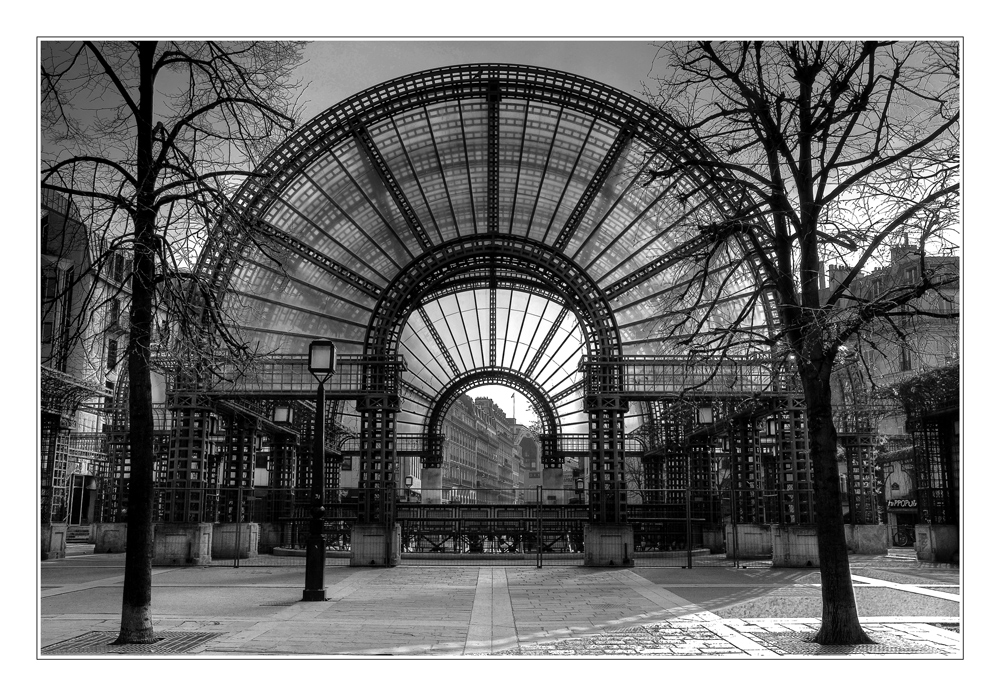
[836, 151]
[148, 139]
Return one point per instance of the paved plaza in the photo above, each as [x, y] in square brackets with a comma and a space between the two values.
[909, 608]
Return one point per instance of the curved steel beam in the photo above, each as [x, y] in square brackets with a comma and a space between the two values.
[487, 82]
[480, 376]
[486, 259]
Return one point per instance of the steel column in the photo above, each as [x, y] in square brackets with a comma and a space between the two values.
[315, 589]
[189, 450]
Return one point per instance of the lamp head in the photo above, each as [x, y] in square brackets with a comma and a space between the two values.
[322, 358]
[283, 413]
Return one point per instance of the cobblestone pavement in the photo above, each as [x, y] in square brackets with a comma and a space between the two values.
[488, 611]
[749, 638]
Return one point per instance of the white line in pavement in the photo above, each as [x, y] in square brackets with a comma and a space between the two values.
[106, 582]
[907, 588]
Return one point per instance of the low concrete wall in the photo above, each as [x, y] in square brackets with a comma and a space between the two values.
[795, 547]
[870, 539]
[938, 543]
[226, 536]
[110, 537]
[714, 540]
[608, 545]
[53, 541]
[270, 537]
[182, 544]
[368, 545]
[753, 541]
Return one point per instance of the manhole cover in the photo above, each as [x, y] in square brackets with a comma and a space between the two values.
[99, 643]
[793, 643]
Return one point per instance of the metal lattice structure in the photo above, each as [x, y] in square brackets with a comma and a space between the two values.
[466, 225]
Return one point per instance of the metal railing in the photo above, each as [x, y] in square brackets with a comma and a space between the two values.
[676, 527]
[655, 377]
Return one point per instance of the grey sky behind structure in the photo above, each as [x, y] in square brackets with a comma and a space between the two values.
[338, 69]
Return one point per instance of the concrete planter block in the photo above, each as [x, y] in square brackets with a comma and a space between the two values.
[748, 541]
[368, 545]
[937, 543]
[795, 547]
[182, 544]
[227, 537]
[430, 486]
[109, 537]
[608, 545]
[714, 540]
[53, 541]
[871, 539]
[552, 487]
[270, 537]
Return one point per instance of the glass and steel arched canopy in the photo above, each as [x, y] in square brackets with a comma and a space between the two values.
[543, 168]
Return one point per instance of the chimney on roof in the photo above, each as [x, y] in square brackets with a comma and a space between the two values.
[899, 253]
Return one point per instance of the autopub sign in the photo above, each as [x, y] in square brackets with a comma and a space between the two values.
[902, 504]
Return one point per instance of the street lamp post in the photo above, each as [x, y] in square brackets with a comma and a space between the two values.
[322, 364]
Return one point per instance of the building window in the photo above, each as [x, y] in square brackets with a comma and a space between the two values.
[109, 398]
[49, 285]
[904, 359]
[114, 312]
[119, 268]
[46, 332]
[112, 353]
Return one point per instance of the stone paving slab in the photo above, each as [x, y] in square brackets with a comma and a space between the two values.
[476, 611]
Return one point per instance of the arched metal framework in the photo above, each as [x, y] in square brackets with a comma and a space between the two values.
[540, 402]
[457, 218]
[518, 262]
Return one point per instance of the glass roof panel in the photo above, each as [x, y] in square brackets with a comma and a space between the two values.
[529, 339]
[340, 205]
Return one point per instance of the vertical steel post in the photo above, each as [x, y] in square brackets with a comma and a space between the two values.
[688, 535]
[240, 473]
[239, 524]
[732, 508]
[315, 590]
[539, 540]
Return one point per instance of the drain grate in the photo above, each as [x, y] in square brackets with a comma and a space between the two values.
[794, 643]
[279, 603]
[99, 643]
[630, 629]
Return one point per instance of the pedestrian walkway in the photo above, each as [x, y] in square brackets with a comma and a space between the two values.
[472, 611]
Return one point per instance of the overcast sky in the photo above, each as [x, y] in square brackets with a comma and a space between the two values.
[339, 69]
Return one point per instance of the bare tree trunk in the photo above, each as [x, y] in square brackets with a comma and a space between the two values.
[840, 616]
[137, 619]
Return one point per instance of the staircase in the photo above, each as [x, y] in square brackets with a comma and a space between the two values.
[78, 534]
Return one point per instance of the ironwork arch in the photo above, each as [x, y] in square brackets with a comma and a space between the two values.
[486, 259]
[351, 119]
[540, 401]
[299, 206]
